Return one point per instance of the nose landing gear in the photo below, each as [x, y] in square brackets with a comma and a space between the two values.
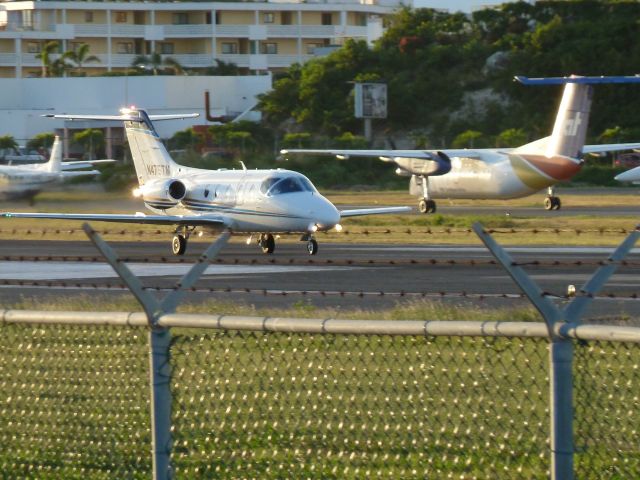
[312, 244]
[179, 242]
[267, 243]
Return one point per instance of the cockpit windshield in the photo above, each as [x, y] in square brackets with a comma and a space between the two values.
[279, 185]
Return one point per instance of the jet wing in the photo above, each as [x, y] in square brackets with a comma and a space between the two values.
[611, 147]
[78, 173]
[386, 155]
[70, 166]
[191, 220]
[373, 211]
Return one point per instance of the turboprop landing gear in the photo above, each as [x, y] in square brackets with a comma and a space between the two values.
[426, 205]
[179, 242]
[552, 202]
[312, 244]
[267, 243]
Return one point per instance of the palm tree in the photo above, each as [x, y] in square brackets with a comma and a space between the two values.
[157, 64]
[81, 55]
[49, 49]
[50, 67]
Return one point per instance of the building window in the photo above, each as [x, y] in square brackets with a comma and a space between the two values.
[180, 18]
[124, 47]
[268, 17]
[88, 17]
[327, 19]
[121, 17]
[229, 48]
[311, 47]
[166, 48]
[286, 18]
[361, 19]
[269, 48]
[33, 47]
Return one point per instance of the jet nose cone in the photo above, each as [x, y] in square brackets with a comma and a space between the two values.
[325, 215]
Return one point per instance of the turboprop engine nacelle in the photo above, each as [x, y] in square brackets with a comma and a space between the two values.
[166, 193]
[438, 164]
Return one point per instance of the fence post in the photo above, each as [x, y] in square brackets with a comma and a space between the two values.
[159, 342]
[560, 347]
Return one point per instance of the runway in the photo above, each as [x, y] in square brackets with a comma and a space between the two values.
[344, 276]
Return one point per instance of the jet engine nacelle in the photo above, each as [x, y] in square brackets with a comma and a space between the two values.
[439, 163]
[163, 193]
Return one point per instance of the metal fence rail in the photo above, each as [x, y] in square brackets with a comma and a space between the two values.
[258, 397]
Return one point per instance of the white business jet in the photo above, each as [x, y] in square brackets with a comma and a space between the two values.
[251, 201]
[502, 173]
[25, 181]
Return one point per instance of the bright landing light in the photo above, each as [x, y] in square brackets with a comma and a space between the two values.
[136, 192]
[338, 227]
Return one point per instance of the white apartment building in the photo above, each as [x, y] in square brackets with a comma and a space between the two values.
[256, 36]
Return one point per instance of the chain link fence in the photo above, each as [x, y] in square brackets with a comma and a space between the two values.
[249, 403]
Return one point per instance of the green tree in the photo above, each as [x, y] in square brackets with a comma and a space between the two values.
[92, 139]
[513, 137]
[469, 139]
[185, 139]
[53, 67]
[8, 142]
[80, 56]
[42, 140]
[158, 64]
[224, 69]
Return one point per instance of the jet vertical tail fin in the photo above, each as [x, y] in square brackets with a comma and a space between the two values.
[150, 157]
[55, 159]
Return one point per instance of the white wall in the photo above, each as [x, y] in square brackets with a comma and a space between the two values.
[24, 101]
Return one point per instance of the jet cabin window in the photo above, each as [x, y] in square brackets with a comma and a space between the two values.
[279, 186]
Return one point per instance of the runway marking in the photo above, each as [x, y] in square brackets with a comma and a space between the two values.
[475, 249]
[78, 270]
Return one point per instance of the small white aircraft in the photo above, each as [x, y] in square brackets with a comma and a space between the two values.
[251, 201]
[25, 181]
[502, 173]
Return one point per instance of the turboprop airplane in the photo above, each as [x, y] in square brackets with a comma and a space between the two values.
[502, 173]
[250, 201]
[25, 181]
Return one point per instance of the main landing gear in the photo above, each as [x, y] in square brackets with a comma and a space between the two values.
[552, 202]
[426, 205]
[179, 242]
[267, 243]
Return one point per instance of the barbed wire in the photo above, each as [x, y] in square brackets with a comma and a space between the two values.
[270, 260]
[85, 285]
[345, 231]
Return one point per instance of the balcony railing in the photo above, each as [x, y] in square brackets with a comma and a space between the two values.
[8, 59]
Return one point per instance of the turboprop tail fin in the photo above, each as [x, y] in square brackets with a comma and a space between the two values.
[572, 120]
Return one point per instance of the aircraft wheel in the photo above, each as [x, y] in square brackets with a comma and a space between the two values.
[178, 245]
[312, 247]
[267, 243]
[426, 206]
[552, 203]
